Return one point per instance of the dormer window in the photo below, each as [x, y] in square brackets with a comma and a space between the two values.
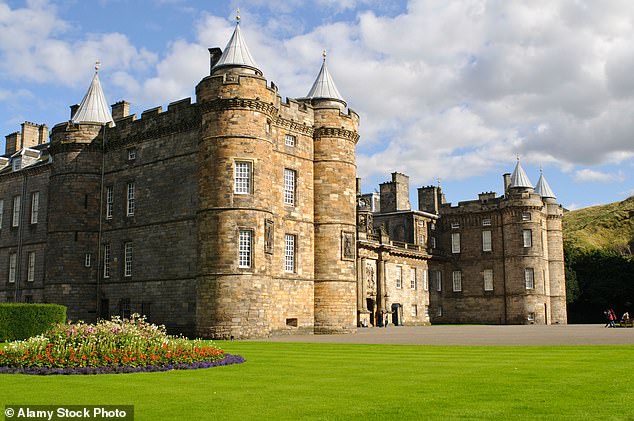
[17, 163]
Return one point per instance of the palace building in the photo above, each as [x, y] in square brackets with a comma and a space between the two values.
[238, 215]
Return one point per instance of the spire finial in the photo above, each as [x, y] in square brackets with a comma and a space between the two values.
[518, 157]
[237, 16]
[323, 53]
[97, 64]
[438, 181]
[541, 169]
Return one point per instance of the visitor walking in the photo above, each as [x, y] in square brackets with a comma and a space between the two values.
[612, 317]
[387, 321]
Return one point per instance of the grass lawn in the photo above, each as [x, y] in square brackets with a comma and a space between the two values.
[364, 382]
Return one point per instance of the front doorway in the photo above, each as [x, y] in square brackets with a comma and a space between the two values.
[397, 314]
[372, 310]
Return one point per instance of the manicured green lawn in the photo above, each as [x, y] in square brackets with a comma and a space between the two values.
[364, 382]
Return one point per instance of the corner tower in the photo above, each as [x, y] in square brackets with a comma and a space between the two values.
[75, 185]
[234, 185]
[555, 248]
[335, 138]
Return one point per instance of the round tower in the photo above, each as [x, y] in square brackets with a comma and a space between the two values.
[555, 249]
[526, 286]
[335, 138]
[73, 224]
[234, 186]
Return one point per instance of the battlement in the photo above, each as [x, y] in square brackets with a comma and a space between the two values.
[180, 116]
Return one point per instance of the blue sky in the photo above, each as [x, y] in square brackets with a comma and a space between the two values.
[446, 89]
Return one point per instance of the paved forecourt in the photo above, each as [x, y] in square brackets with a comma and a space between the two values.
[520, 335]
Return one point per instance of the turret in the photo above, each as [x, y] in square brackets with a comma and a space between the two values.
[335, 138]
[236, 172]
[556, 269]
[74, 189]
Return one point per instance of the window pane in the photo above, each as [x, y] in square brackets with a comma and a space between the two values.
[289, 253]
[106, 260]
[109, 202]
[289, 187]
[413, 278]
[242, 184]
[244, 249]
[486, 240]
[488, 279]
[528, 238]
[35, 207]
[16, 211]
[128, 259]
[529, 278]
[457, 281]
[455, 242]
[30, 272]
[131, 206]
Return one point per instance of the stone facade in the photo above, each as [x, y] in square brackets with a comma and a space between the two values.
[237, 216]
[495, 260]
[147, 216]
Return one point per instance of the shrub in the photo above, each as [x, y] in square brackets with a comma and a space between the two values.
[120, 345]
[21, 321]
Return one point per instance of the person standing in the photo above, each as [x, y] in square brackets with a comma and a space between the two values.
[387, 321]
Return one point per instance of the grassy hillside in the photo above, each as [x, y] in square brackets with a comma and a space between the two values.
[607, 227]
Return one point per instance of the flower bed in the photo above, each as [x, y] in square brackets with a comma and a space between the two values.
[116, 346]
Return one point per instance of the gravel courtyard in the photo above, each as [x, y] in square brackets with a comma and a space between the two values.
[476, 335]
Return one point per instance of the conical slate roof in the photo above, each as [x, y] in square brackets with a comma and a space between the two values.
[519, 177]
[543, 189]
[236, 53]
[94, 107]
[324, 87]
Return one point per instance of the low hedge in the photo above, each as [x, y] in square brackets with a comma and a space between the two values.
[21, 321]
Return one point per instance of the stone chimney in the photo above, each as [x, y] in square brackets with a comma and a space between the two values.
[214, 55]
[507, 183]
[73, 110]
[12, 142]
[120, 110]
[395, 194]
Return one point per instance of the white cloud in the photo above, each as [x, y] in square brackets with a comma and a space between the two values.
[589, 175]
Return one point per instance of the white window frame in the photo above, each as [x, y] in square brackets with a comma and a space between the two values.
[127, 259]
[529, 278]
[130, 202]
[412, 281]
[439, 311]
[242, 177]
[17, 200]
[414, 310]
[245, 249]
[527, 238]
[455, 242]
[399, 277]
[30, 270]
[425, 280]
[526, 216]
[438, 281]
[487, 279]
[109, 201]
[486, 240]
[88, 260]
[16, 164]
[131, 154]
[106, 261]
[486, 222]
[13, 262]
[290, 140]
[290, 243]
[433, 242]
[290, 183]
[455, 225]
[35, 206]
[457, 281]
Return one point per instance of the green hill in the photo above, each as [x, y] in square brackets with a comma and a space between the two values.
[604, 227]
